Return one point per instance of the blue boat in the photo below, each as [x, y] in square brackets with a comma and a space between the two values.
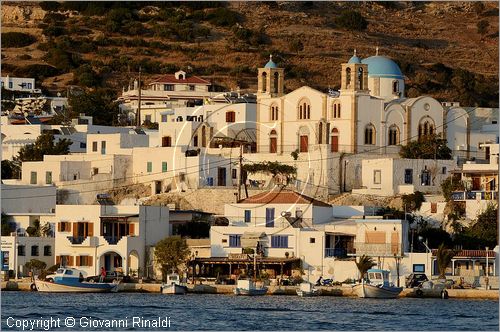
[68, 280]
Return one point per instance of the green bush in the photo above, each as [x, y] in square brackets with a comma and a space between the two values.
[17, 39]
[223, 17]
[37, 71]
[351, 20]
[482, 27]
[414, 201]
[49, 5]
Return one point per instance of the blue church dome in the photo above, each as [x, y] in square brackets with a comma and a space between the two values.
[354, 59]
[270, 63]
[380, 66]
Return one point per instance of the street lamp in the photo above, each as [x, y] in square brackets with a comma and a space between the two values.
[95, 257]
[487, 270]
[428, 250]
[398, 262]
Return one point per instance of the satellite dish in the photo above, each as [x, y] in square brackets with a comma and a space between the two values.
[59, 94]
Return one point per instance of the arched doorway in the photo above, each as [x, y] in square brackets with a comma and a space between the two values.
[111, 261]
[273, 141]
[335, 140]
[133, 264]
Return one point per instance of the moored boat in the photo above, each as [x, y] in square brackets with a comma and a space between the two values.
[68, 280]
[307, 289]
[173, 285]
[248, 287]
[377, 286]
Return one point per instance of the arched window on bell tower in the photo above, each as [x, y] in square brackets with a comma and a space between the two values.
[348, 77]
[276, 82]
[264, 82]
[359, 79]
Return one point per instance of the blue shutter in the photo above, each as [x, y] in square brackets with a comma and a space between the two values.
[269, 217]
[248, 215]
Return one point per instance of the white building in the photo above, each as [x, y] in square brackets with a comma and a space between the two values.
[22, 84]
[395, 176]
[117, 238]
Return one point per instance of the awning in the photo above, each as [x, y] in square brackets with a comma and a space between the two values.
[251, 239]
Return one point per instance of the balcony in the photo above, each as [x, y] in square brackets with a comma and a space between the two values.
[338, 252]
[377, 249]
[76, 239]
[474, 195]
[113, 239]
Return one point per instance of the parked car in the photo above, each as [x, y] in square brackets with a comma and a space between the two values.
[110, 277]
[415, 280]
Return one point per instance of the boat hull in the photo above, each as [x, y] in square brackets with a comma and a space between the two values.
[250, 292]
[371, 291]
[307, 294]
[173, 289]
[55, 287]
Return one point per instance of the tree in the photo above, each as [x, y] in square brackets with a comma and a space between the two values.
[274, 168]
[443, 256]
[413, 202]
[170, 253]
[99, 104]
[364, 264]
[35, 266]
[482, 27]
[10, 169]
[451, 184]
[44, 145]
[7, 226]
[351, 20]
[427, 147]
[486, 227]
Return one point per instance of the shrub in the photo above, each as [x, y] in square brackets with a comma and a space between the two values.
[37, 71]
[49, 5]
[413, 201]
[223, 17]
[24, 57]
[53, 30]
[351, 20]
[17, 39]
[86, 76]
[482, 27]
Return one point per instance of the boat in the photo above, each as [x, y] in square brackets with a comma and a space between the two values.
[307, 289]
[68, 280]
[248, 287]
[377, 286]
[173, 285]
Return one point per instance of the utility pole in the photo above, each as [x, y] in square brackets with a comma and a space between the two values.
[241, 171]
[138, 113]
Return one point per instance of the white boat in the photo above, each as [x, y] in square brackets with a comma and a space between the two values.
[68, 280]
[307, 289]
[377, 286]
[248, 287]
[173, 285]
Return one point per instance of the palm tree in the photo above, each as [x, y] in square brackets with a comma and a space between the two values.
[443, 256]
[364, 264]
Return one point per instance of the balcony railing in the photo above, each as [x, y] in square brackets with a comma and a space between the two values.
[377, 249]
[76, 239]
[338, 252]
[474, 195]
[112, 239]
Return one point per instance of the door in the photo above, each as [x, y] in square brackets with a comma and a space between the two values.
[269, 217]
[107, 262]
[166, 141]
[476, 183]
[221, 177]
[335, 143]
[157, 187]
[304, 143]
[273, 145]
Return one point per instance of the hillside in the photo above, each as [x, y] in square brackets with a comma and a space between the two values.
[440, 46]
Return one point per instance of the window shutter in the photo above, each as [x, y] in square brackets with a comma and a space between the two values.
[91, 229]
[75, 230]
[70, 260]
[131, 229]
[69, 227]
[58, 260]
[89, 261]
[77, 260]
[58, 226]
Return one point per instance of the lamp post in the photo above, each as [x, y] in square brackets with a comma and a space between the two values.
[398, 262]
[95, 257]
[487, 270]
[428, 250]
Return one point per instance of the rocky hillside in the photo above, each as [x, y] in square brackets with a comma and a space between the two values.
[447, 50]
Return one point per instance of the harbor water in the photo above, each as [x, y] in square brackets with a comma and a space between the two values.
[141, 311]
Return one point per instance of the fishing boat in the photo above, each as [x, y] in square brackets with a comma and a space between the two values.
[248, 287]
[173, 285]
[307, 289]
[377, 286]
[68, 280]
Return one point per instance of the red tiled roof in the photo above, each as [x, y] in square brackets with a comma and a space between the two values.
[470, 253]
[170, 78]
[282, 197]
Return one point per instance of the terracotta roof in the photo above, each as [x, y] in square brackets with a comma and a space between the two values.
[282, 197]
[170, 78]
[470, 253]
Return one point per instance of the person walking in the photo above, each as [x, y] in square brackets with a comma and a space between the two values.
[103, 274]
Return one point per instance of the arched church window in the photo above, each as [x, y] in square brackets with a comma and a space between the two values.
[264, 82]
[276, 80]
[369, 134]
[334, 138]
[304, 110]
[348, 77]
[393, 135]
[274, 113]
[426, 128]
[360, 78]
[395, 87]
[320, 133]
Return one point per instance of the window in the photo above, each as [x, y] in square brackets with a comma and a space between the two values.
[377, 176]
[408, 176]
[47, 251]
[164, 118]
[395, 87]
[443, 170]
[248, 215]
[147, 118]
[419, 268]
[336, 111]
[48, 177]
[83, 145]
[191, 88]
[274, 113]
[426, 177]
[64, 226]
[235, 241]
[94, 146]
[103, 147]
[279, 241]
[269, 217]
[33, 179]
[83, 261]
[393, 135]
[304, 110]
[230, 116]
[348, 77]
[21, 250]
[10, 85]
[264, 82]
[434, 207]
[369, 134]
[28, 85]
[168, 87]
[166, 141]
[164, 166]
[234, 173]
[312, 240]
[149, 167]
[95, 170]
[34, 250]
[426, 128]
[360, 79]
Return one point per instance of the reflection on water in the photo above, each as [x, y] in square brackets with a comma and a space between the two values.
[224, 312]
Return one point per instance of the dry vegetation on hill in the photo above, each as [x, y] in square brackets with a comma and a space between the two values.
[447, 50]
